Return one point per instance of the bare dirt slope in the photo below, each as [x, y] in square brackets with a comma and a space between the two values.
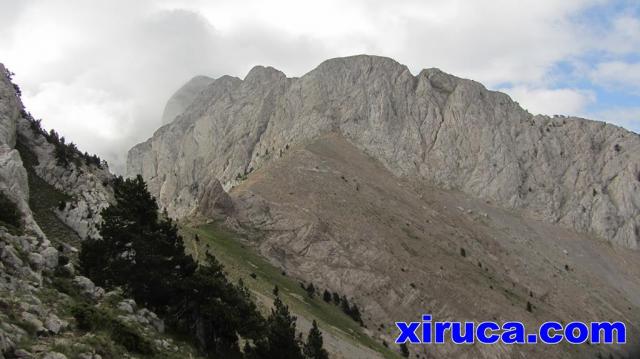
[339, 218]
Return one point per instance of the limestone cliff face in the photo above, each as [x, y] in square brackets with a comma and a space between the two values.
[13, 175]
[182, 98]
[431, 128]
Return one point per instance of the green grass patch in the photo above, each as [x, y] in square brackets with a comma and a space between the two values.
[240, 261]
[44, 199]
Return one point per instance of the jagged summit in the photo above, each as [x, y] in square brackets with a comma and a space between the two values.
[262, 74]
[433, 127]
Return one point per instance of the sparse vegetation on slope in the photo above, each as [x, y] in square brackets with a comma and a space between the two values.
[43, 201]
[240, 261]
[65, 152]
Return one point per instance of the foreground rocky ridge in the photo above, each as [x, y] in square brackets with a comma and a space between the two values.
[431, 128]
[41, 292]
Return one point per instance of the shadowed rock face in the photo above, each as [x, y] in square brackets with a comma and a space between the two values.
[182, 98]
[431, 128]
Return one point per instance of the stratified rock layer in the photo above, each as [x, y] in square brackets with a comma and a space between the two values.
[431, 128]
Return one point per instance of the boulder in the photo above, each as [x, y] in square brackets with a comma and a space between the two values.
[50, 256]
[54, 324]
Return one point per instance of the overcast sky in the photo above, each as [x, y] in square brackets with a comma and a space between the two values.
[100, 72]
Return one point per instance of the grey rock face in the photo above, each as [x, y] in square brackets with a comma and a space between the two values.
[50, 256]
[430, 128]
[13, 175]
[88, 288]
[128, 306]
[213, 199]
[54, 324]
[182, 98]
[9, 110]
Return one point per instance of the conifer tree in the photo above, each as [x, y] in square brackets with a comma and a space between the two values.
[139, 250]
[311, 290]
[354, 313]
[326, 296]
[280, 340]
[344, 304]
[404, 351]
[336, 298]
[313, 349]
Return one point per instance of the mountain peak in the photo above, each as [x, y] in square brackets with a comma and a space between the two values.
[262, 74]
[433, 127]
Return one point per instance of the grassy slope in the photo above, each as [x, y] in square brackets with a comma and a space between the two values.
[43, 199]
[240, 261]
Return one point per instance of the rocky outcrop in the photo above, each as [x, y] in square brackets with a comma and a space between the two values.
[182, 98]
[214, 201]
[13, 176]
[429, 128]
[88, 186]
[38, 288]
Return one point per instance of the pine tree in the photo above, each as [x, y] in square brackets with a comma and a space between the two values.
[313, 349]
[336, 298]
[217, 312]
[326, 296]
[344, 305]
[139, 250]
[280, 340]
[354, 313]
[404, 350]
[311, 290]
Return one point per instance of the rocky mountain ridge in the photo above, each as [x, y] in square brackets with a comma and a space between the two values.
[430, 128]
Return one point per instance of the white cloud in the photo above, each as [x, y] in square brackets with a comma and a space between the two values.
[114, 63]
[618, 74]
[551, 101]
[623, 37]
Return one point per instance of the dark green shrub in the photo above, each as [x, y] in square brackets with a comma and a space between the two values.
[9, 212]
[130, 338]
[89, 318]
